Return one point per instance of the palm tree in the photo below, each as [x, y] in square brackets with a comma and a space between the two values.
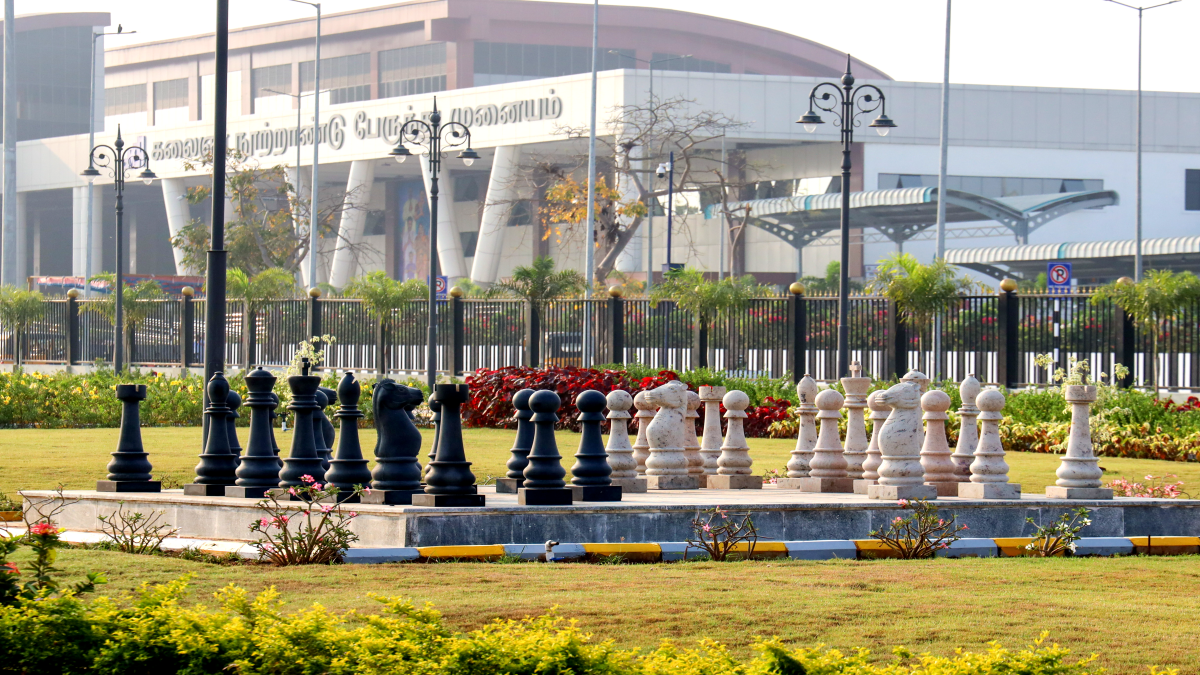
[18, 309]
[708, 301]
[539, 283]
[138, 303]
[273, 283]
[382, 296]
[1154, 302]
[920, 292]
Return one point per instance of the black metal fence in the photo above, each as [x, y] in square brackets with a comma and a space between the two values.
[997, 338]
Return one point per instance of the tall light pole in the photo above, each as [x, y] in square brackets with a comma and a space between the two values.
[432, 135]
[846, 104]
[589, 240]
[1137, 246]
[314, 189]
[668, 169]
[944, 151]
[299, 108]
[8, 263]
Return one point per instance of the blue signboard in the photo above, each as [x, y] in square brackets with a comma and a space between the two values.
[1058, 276]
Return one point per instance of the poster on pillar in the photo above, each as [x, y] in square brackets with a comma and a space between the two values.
[412, 232]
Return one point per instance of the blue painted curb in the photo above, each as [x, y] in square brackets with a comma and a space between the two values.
[374, 556]
[968, 548]
[821, 550]
[1104, 546]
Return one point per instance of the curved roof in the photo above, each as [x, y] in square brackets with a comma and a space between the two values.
[1072, 250]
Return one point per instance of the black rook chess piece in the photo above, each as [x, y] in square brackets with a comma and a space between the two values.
[218, 464]
[544, 484]
[129, 470]
[234, 401]
[592, 476]
[519, 458]
[450, 481]
[348, 469]
[318, 422]
[397, 474]
[259, 469]
[275, 416]
[303, 459]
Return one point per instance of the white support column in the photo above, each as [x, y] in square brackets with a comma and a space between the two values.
[630, 259]
[78, 230]
[296, 178]
[175, 199]
[354, 217]
[450, 254]
[24, 230]
[501, 192]
[97, 226]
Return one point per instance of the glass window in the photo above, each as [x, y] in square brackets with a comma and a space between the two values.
[348, 78]
[469, 241]
[171, 94]
[498, 62]
[125, 100]
[278, 78]
[466, 189]
[1191, 189]
[413, 70]
[689, 64]
[993, 186]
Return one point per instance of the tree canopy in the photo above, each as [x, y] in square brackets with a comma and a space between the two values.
[540, 282]
[707, 300]
[920, 292]
[1153, 302]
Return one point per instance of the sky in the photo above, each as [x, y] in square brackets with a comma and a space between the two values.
[1045, 43]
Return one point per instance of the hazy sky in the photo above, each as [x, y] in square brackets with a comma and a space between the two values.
[1056, 43]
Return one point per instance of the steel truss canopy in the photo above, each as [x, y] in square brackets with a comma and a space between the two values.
[901, 214]
[1097, 260]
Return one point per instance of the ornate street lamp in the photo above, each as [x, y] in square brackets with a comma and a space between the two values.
[847, 103]
[119, 160]
[432, 136]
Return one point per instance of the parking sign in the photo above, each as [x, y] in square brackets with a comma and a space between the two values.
[1058, 276]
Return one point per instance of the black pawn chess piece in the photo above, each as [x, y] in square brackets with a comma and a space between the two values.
[397, 474]
[450, 481]
[303, 459]
[348, 470]
[275, 416]
[259, 468]
[544, 484]
[519, 458]
[129, 470]
[318, 422]
[234, 401]
[218, 465]
[592, 476]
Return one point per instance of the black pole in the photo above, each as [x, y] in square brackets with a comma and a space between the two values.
[214, 307]
[119, 289]
[435, 162]
[843, 365]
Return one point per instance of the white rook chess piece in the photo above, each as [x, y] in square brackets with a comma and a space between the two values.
[935, 452]
[900, 473]
[879, 414]
[989, 472]
[827, 471]
[1079, 472]
[641, 446]
[691, 444]
[620, 452]
[710, 443]
[798, 463]
[733, 466]
[856, 444]
[667, 466]
[968, 430]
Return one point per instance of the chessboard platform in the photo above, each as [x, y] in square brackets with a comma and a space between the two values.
[779, 514]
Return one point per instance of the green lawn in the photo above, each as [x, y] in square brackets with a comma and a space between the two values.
[43, 458]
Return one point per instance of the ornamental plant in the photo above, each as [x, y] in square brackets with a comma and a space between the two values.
[920, 535]
[1059, 536]
[1155, 487]
[920, 292]
[718, 535]
[135, 532]
[1154, 303]
[138, 302]
[37, 581]
[316, 533]
[19, 308]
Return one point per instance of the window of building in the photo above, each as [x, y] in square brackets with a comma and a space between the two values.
[469, 241]
[520, 213]
[171, 94]
[992, 186]
[1191, 190]
[412, 70]
[690, 64]
[277, 78]
[52, 84]
[466, 189]
[125, 100]
[348, 78]
[501, 62]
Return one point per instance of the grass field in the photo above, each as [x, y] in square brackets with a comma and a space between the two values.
[43, 458]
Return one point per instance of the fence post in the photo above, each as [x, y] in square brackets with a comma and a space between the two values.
[799, 312]
[699, 342]
[897, 344]
[249, 336]
[314, 312]
[616, 322]
[1126, 344]
[458, 332]
[72, 327]
[533, 334]
[187, 327]
[1008, 318]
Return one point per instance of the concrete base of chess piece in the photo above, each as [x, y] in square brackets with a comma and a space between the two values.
[628, 485]
[391, 497]
[1056, 492]
[545, 496]
[946, 489]
[736, 482]
[425, 499]
[893, 492]
[247, 492]
[989, 490]
[199, 490]
[814, 484]
[126, 486]
[672, 483]
[508, 486]
[595, 493]
[862, 485]
[788, 483]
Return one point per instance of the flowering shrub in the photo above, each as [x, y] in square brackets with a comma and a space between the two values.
[135, 532]
[718, 538]
[1059, 536]
[1155, 486]
[920, 535]
[319, 538]
[43, 539]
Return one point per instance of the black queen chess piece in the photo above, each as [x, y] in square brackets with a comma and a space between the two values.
[348, 469]
[258, 471]
[274, 442]
[303, 459]
[519, 457]
[234, 402]
[330, 434]
[129, 470]
[397, 474]
[544, 484]
[450, 481]
[218, 465]
[319, 420]
[592, 476]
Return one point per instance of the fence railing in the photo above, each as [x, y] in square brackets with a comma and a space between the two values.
[996, 337]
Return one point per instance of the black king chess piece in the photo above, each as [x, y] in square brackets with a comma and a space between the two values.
[544, 484]
[259, 468]
[319, 420]
[397, 474]
[348, 469]
[519, 457]
[450, 481]
[218, 465]
[592, 476]
[303, 459]
[129, 470]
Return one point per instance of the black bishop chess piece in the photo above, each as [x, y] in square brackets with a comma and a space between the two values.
[397, 474]
[320, 439]
[348, 469]
[544, 484]
[258, 471]
[218, 465]
[450, 481]
[519, 455]
[234, 401]
[303, 459]
[592, 476]
[129, 470]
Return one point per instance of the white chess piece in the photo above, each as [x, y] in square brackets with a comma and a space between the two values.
[827, 470]
[798, 464]
[641, 446]
[620, 452]
[667, 466]
[691, 444]
[900, 473]
[710, 443]
[968, 429]
[733, 466]
[879, 414]
[935, 451]
[1079, 473]
[855, 447]
[989, 471]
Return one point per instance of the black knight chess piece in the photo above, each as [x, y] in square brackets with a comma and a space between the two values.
[397, 474]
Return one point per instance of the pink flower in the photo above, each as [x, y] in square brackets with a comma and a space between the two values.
[263, 522]
[941, 522]
[325, 508]
[292, 491]
[707, 528]
[367, 490]
[1149, 477]
[307, 478]
[904, 503]
[897, 520]
[965, 527]
[42, 529]
[353, 514]
[316, 486]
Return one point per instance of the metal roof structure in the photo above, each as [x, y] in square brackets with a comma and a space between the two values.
[900, 214]
[1099, 260]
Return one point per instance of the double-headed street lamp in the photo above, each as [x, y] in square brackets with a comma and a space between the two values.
[119, 160]
[847, 104]
[432, 135]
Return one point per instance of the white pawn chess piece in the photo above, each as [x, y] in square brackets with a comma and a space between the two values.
[968, 429]
[855, 451]
[917, 377]
[667, 466]
[691, 444]
[1079, 473]
[710, 443]
[806, 439]
[620, 452]
[900, 473]
[989, 471]
[935, 451]
[641, 446]
[827, 471]
[733, 466]
[879, 414]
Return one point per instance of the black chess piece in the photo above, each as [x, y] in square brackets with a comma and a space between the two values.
[348, 469]
[330, 434]
[259, 469]
[592, 476]
[435, 410]
[234, 401]
[318, 422]
[519, 457]
[450, 481]
[303, 459]
[129, 470]
[218, 465]
[274, 442]
[397, 474]
[544, 484]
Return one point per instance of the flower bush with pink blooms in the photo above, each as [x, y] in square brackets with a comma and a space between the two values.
[920, 535]
[1157, 487]
[314, 530]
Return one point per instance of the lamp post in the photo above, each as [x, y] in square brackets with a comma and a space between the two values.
[313, 220]
[119, 160]
[432, 135]
[847, 104]
[668, 169]
[299, 108]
